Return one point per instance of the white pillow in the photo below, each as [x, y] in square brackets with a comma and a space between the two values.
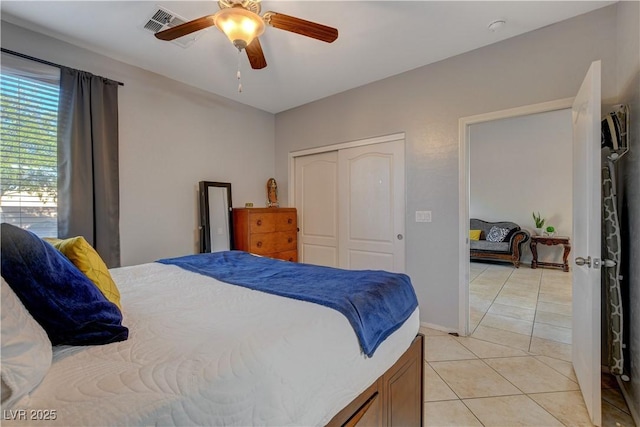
[26, 349]
[497, 234]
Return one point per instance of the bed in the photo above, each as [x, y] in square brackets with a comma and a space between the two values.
[201, 351]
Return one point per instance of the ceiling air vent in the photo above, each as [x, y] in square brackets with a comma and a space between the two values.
[161, 19]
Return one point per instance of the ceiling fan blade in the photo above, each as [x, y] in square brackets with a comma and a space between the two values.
[186, 28]
[255, 55]
[300, 26]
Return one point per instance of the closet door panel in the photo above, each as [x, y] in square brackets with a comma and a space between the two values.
[370, 202]
[371, 206]
[317, 204]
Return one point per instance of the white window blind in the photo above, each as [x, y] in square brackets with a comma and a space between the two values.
[28, 130]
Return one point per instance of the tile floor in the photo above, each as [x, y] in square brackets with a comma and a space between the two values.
[514, 369]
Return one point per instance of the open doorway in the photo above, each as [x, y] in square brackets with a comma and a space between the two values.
[517, 166]
[465, 126]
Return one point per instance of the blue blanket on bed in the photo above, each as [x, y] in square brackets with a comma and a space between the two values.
[375, 302]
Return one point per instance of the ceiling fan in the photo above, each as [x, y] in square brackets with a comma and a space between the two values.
[242, 24]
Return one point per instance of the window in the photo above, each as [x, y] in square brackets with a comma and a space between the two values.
[28, 131]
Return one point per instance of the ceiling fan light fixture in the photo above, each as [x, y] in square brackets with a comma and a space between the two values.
[240, 25]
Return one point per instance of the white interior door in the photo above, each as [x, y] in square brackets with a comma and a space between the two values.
[316, 187]
[586, 240]
[371, 200]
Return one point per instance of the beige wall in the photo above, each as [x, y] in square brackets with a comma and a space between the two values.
[426, 103]
[171, 137]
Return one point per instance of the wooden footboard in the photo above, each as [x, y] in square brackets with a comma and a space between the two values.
[395, 399]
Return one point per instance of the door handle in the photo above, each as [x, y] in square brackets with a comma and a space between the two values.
[583, 261]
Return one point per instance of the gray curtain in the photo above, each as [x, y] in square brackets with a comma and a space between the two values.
[88, 189]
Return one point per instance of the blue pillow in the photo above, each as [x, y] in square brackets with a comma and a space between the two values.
[68, 306]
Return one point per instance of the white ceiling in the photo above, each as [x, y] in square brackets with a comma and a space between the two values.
[377, 39]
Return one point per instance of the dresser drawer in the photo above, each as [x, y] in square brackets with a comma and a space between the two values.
[265, 243]
[286, 221]
[260, 222]
[286, 256]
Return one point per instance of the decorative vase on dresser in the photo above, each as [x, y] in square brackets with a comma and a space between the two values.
[270, 232]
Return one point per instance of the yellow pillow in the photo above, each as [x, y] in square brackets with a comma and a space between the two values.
[83, 256]
[475, 234]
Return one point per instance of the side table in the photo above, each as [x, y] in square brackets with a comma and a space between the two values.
[550, 241]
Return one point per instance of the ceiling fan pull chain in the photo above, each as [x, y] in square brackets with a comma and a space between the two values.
[238, 75]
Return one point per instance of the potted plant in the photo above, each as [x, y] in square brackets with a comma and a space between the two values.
[551, 231]
[539, 221]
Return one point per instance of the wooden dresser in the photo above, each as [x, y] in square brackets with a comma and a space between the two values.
[272, 232]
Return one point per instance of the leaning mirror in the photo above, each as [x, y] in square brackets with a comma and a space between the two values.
[216, 231]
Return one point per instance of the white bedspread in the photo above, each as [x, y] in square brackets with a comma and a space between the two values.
[202, 352]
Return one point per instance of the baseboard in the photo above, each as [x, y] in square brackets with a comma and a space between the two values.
[439, 328]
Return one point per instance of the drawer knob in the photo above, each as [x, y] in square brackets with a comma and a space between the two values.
[289, 240]
[259, 222]
[291, 259]
[290, 221]
[259, 244]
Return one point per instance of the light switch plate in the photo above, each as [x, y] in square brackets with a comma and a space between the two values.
[423, 216]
